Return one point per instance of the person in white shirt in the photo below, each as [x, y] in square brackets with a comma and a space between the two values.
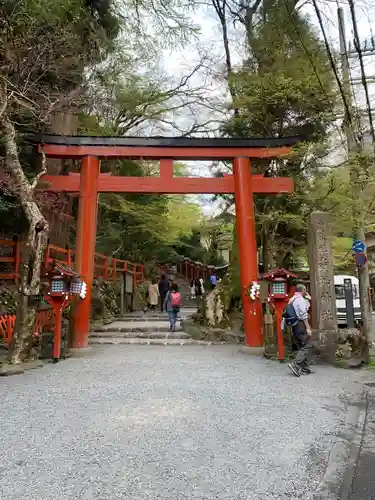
[301, 331]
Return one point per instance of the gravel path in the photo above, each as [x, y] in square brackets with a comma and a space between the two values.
[143, 422]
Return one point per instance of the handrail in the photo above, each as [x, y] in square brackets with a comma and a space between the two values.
[108, 267]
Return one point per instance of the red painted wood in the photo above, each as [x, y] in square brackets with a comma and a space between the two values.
[85, 246]
[166, 168]
[247, 250]
[153, 153]
[279, 309]
[243, 184]
[168, 185]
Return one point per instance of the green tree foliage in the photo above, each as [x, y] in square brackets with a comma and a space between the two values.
[278, 93]
[45, 46]
[142, 227]
[331, 191]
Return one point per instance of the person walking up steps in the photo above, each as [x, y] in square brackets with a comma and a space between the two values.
[172, 305]
[153, 294]
[192, 289]
[163, 290]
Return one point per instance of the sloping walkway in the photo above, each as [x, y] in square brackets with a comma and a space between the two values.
[140, 422]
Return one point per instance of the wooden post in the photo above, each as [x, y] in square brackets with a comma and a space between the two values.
[114, 269]
[134, 274]
[68, 256]
[17, 259]
[105, 269]
[122, 295]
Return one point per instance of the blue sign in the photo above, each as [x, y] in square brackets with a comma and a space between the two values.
[358, 246]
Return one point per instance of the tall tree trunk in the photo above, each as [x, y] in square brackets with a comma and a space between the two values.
[34, 245]
[220, 7]
[266, 257]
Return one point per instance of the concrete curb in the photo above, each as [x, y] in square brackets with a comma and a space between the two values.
[252, 351]
[80, 352]
[7, 370]
[337, 481]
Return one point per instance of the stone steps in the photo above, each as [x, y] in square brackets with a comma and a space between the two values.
[149, 341]
[151, 334]
[129, 326]
[141, 328]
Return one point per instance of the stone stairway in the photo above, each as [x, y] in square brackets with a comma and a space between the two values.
[184, 289]
[150, 328]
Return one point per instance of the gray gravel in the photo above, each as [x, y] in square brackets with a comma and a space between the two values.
[144, 422]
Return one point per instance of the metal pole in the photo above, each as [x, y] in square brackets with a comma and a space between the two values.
[57, 334]
[358, 211]
[349, 303]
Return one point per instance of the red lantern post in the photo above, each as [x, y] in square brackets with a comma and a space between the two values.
[279, 296]
[63, 284]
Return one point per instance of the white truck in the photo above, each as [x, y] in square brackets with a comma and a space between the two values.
[340, 299]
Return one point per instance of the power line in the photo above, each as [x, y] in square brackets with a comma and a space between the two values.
[347, 60]
[333, 66]
[310, 56]
[363, 74]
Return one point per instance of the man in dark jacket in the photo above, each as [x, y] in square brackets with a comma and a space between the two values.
[163, 290]
[301, 332]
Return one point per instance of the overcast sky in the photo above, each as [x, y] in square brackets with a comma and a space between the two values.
[182, 61]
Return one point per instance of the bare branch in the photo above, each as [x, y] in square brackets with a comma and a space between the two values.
[63, 101]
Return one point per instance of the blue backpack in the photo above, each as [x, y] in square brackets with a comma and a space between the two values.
[291, 318]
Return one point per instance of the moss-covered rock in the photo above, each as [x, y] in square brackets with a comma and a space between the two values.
[106, 296]
[215, 320]
[140, 295]
[351, 343]
[200, 331]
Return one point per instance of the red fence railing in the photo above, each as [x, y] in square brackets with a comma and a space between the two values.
[187, 268]
[10, 260]
[8, 321]
[108, 268]
[105, 267]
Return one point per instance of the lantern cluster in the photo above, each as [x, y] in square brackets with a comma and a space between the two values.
[64, 281]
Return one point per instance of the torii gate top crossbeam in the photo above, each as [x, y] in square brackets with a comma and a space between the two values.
[179, 148]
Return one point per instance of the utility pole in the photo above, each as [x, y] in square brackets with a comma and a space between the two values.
[355, 146]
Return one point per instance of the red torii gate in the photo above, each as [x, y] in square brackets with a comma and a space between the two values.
[242, 183]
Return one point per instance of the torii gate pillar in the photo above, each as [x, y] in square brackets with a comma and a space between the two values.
[247, 250]
[85, 245]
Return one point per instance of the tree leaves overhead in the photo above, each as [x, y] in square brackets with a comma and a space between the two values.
[283, 88]
[144, 228]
